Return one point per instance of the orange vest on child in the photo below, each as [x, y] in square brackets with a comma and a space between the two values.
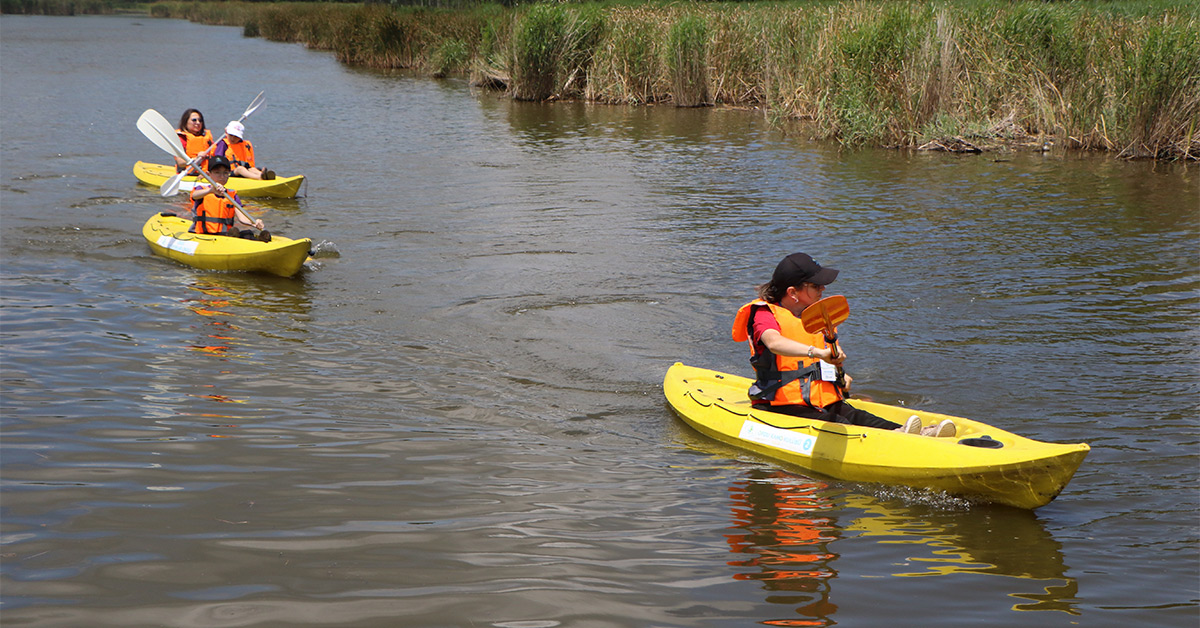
[242, 151]
[214, 215]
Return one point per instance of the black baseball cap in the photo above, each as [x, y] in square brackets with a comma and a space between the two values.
[218, 162]
[798, 268]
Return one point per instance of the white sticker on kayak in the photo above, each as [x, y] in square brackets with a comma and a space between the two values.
[183, 246]
[780, 439]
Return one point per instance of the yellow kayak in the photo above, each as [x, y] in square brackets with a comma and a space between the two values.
[280, 187]
[981, 462]
[168, 236]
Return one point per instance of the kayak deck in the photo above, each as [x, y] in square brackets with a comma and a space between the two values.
[280, 187]
[1020, 472]
[168, 237]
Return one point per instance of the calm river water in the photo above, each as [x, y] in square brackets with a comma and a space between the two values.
[455, 416]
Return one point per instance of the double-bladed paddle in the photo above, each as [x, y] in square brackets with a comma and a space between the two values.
[155, 127]
[171, 186]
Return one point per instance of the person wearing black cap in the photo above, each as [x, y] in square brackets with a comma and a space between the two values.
[796, 370]
[216, 207]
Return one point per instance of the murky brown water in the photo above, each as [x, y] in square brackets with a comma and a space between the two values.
[458, 421]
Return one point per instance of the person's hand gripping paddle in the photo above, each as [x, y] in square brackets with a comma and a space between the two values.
[823, 316]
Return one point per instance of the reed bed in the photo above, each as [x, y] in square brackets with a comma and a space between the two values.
[687, 60]
[1113, 76]
[68, 7]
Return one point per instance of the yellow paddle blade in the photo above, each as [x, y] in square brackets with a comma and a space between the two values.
[825, 314]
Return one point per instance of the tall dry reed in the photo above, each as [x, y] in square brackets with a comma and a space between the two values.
[687, 60]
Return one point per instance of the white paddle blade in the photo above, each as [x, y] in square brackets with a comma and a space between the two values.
[156, 128]
[171, 186]
[258, 102]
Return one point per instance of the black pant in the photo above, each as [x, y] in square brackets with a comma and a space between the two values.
[837, 412]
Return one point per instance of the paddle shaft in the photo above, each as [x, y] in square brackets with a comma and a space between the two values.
[830, 336]
[841, 373]
[171, 186]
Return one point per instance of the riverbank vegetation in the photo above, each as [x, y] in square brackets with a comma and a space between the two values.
[957, 75]
[69, 7]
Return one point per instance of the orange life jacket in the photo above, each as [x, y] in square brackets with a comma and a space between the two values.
[784, 380]
[214, 215]
[242, 151]
[195, 144]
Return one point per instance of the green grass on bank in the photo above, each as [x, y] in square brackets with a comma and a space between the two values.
[1120, 76]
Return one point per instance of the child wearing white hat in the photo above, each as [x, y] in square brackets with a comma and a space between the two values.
[240, 153]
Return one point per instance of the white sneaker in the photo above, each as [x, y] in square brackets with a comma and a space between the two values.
[912, 425]
[945, 429]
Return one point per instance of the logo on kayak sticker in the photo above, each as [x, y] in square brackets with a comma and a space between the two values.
[780, 439]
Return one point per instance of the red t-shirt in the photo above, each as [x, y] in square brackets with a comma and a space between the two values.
[763, 320]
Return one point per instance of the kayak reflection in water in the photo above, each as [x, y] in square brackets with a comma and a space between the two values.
[782, 532]
[799, 372]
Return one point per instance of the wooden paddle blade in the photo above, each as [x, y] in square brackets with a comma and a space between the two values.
[825, 314]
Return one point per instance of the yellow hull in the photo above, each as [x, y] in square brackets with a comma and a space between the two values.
[168, 236]
[1022, 472]
[281, 187]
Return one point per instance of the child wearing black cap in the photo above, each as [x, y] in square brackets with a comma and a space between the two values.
[217, 210]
